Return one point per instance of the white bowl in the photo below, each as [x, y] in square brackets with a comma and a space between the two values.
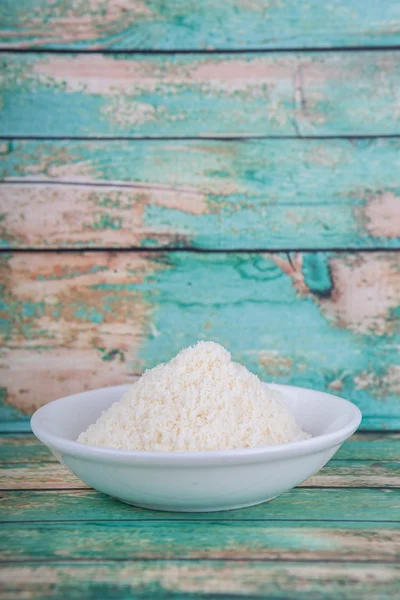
[196, 481]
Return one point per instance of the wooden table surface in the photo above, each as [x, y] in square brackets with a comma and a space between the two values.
[335, 536]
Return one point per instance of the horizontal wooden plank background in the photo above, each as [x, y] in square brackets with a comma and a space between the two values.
[193, 24]
[290, 94]
[257, 194]
[94, 219]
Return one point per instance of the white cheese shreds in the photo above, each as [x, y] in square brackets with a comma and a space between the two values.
[200, 400]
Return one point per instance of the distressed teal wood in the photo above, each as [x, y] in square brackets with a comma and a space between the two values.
[258, 194]
[293, 313]
[295, 94]
[197, 24]
[26, 448]
[11, 418]
[301, 504]
[23, 447]
[175, 540]
[337, 473]
[196, 580]
[375, 446]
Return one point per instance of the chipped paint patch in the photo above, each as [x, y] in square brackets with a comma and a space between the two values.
[64, 370]
[293, 267]
[365, 289]
[383, 215]
[383, 384]
[355, 292]
[81, 20]
[276, 365]
[43, 215]
[95, 303]
[51, 161]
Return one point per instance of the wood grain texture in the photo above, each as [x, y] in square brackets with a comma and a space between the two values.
[377, 446]
[351, 474]
[200, 579]
[309, 505]
[212, 541]
[197, 24]
[257, 194]
[89, 319]
[344, 93]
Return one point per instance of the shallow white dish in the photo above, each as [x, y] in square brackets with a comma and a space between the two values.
[196, 481]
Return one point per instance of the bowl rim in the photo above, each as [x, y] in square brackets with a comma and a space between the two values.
[200, 458]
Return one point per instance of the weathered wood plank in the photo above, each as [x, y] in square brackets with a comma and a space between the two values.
[200, 579]
[373, 446]
[197, 25]
[174, 540]
[23, 448]
[344, 93]
[354, 474]
[86, 320]
[17, 448]
[257, 194]
[301, 504]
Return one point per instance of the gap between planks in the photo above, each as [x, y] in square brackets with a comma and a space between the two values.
[274, 561]
[183, 249]
[195, 51]
[209, 138]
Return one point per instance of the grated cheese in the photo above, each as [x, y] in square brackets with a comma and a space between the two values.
[200, 400]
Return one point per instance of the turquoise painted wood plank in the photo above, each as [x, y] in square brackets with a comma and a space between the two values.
[225, 540]
[79, 321]
[300, 505]
[257, 194]
[17, 448]
[351, 474]
[197, 24]
[195, 580]
[296, 94]
[374, 446]
[23, 447]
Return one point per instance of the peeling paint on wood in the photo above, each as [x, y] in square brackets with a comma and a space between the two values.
[85, 320]
[206, 194]
[301, 504]
[281, 541]
[351, 474]
[345, 93]
[196, 24]
[143, 579]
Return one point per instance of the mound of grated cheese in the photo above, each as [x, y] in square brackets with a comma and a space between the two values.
[200, 400]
